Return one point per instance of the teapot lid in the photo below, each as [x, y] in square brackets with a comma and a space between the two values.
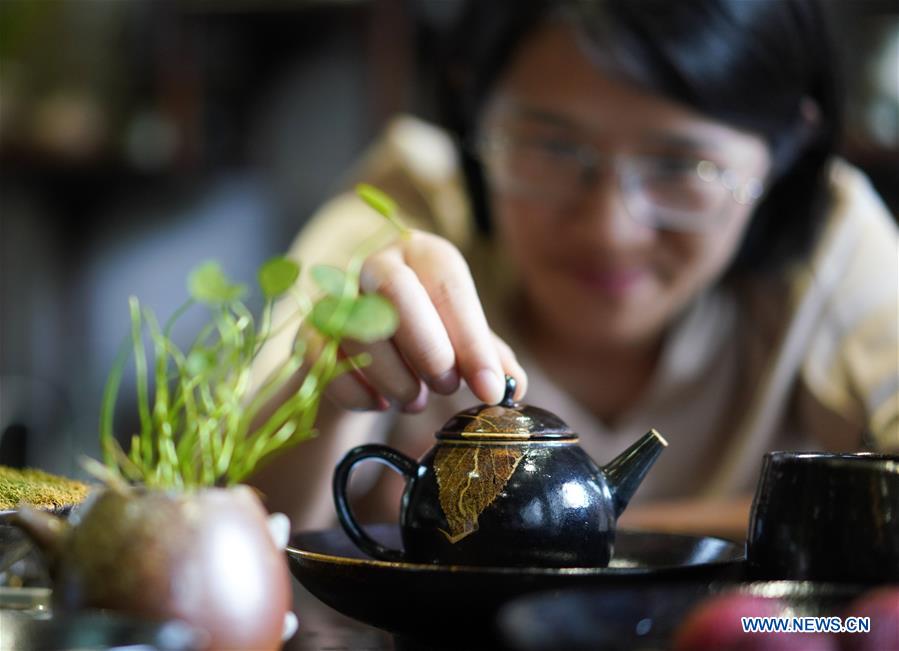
[509, 420]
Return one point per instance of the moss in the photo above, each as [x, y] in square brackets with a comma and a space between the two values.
[38, 488]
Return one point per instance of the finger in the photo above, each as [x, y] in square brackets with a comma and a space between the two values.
[511, 366]
[348, 390]
[445, 276]
[421, 338]
[387, 372]
[421, 401]
[351, 391]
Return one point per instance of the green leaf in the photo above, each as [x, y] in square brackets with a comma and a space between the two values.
[201, 427]
[107, 407]
[277, 276]
[372, 318]
[140, 375]
[369, 318]
[208, 284]
[376, 199]
[170, 322]
[331, 279]
[324, 318]
[200, 361]
[384, 205]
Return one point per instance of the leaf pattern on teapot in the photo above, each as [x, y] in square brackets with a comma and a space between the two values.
[499, 420]
[469, 479]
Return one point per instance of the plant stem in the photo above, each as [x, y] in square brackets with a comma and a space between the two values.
[140, 369]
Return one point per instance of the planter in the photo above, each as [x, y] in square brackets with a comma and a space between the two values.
[205, 557]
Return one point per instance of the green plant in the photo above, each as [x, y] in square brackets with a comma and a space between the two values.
[204, 423]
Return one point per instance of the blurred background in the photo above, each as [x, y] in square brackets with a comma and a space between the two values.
[140, 137]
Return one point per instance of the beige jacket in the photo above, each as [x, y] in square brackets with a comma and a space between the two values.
[812, 363]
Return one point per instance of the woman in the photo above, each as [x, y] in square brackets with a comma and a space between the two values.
[635, 210]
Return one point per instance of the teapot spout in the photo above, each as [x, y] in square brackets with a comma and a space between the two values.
[626, 471]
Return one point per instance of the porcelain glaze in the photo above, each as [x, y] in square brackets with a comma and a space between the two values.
[205, 557]
[504, 485]
[826, 517]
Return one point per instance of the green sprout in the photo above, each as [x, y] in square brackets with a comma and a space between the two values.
[205, 424]
[383, 205]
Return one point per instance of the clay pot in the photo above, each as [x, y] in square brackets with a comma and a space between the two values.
[205, 557]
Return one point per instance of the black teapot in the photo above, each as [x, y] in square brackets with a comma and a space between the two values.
[505, 485]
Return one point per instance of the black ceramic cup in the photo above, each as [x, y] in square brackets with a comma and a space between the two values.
[826, 517]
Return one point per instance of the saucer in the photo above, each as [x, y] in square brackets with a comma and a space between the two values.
[454, 603]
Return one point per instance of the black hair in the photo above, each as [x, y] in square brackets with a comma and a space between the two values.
[753, 65]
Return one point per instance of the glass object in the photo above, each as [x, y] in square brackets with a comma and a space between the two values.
[670, 191]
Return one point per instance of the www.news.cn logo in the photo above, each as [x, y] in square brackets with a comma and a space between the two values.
[806, 624]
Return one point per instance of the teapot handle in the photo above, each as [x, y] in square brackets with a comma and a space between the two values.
[391, 458]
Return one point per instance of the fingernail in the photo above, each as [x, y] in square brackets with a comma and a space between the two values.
[446, 383]
[417, 405]
[489, 386]
[279, 528]
[522, 387]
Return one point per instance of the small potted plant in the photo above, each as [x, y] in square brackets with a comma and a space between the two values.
[173, 532]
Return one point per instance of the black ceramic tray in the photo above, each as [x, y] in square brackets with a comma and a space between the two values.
[458, 604]
[643, 618]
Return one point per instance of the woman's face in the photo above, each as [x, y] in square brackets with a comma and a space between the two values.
[616, 205]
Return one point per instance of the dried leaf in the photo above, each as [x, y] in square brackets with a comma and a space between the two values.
[469, 478]
[497, 419]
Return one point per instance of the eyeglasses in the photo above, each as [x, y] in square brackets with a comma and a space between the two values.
[666, 192]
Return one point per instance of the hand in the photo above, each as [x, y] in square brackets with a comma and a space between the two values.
[442, 336]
